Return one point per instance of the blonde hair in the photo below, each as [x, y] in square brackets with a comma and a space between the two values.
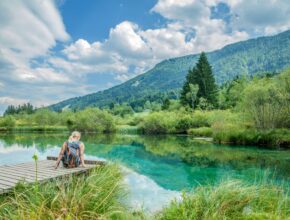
[74, 134]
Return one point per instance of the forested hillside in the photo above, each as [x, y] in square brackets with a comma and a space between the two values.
[264, 54]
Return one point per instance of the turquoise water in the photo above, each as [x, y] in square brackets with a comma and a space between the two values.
[158, 168]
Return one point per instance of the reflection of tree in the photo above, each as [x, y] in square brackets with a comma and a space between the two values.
[204, 154]
[40, 141]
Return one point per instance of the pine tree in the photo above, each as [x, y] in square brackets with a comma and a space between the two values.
[25, 108]
[205, 80]
[202, 76]
[186, 88]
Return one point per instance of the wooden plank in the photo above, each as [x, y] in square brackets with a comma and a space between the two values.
[10, 175]
[42, 170]
[12, 180]
[2, 182]
[29, 164]
[4, 188]
[15, 176]
[95, 162]
[17, 172]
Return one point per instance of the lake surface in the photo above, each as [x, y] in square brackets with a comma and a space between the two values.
[158, 168]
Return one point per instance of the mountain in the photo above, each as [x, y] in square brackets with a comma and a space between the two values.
[250, 57]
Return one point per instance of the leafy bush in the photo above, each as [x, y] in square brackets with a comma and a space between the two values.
[200, 119]
[183, 123]
[92, 119]
[159, 123]
[200, 132]
[235, 134]
[44, 117]
[7, 122]
[266, 101]
[122, 110]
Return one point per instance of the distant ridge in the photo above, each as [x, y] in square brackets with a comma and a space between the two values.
[263, 54]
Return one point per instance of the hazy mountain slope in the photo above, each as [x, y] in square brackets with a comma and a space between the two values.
[246, 57]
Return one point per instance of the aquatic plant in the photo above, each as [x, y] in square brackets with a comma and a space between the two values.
[35, 158]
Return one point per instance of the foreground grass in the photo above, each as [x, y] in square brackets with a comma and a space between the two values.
[96, 196]
[231, 199]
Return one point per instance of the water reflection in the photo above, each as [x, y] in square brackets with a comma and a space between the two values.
[172, 162]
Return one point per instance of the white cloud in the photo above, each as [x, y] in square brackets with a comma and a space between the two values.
[195, 16]
[189, 11]
[31, 27]
[12, 101]
[129, 50]
[260, 17]
[123, 52]
[125, 40]
[122, 77]
[28, 30]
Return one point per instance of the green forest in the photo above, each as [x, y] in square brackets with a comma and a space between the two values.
[243, 111]
[254, 57]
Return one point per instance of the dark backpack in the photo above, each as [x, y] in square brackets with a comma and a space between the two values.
[71, 156]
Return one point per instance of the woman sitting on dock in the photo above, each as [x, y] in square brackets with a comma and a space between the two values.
[72, 152]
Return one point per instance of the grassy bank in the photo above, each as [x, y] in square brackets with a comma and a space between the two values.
[99, 196]
[96, 196]
[231, 200]
[224, 126]
[24, 129]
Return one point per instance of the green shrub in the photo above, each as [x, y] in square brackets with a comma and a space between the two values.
[158, 123]
[92, 119]
[200, 119]
[236, 134]
[127, 129]
[231, 199]
[44, 117]
[200, 132]
[183, 123]
[266, 101]
[7, 122]
[135, 120]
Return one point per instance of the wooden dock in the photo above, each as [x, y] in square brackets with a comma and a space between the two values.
[10, 175]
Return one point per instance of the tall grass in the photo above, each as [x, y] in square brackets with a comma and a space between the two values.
[231, 199]
[96, 196]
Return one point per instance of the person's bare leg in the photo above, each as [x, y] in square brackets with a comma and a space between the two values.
[60, 155]
[82, 148]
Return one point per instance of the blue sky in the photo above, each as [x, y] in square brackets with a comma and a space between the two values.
[51, 50]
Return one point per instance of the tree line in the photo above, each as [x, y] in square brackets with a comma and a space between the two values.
[26, 108]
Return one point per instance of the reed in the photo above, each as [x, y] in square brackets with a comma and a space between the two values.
[231, 199]
[93, 196]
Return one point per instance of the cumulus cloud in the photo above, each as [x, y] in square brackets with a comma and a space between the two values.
[189, 11]
[260, 17]
[130, 50]
[30, 29]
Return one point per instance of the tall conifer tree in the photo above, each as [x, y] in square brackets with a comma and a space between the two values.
[202, 76]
